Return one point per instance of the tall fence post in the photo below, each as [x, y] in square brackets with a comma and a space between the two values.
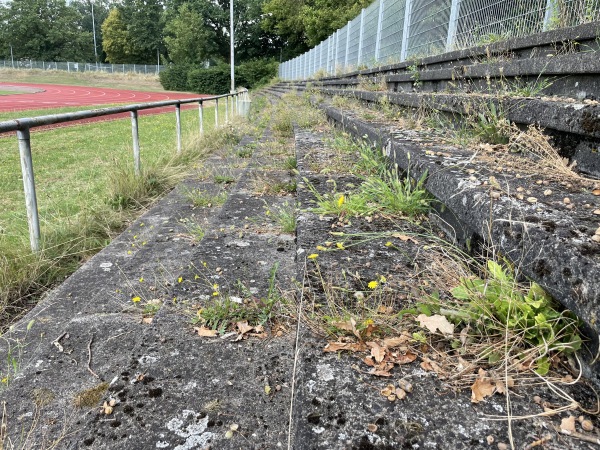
[337, 44]
[29, 187]
[453, 25]
[201, 117]
[379, 27]
[406, 30]
[552, 11]
[216, 113]
[136, 144]
[226, 109]
[360, 38]
[178, 126]
[347, 45]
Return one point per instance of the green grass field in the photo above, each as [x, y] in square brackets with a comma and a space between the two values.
[77, 171]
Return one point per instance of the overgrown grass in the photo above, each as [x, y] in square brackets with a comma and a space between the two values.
[86, 193]
[382, 189]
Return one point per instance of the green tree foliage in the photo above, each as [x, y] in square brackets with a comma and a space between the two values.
[251, 39]
[186, 39]
[100, 8]
[116, 42]
[47, 30]
[145, 23]
[305, 23]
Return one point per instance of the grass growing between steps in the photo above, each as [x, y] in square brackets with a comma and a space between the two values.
[87, 192]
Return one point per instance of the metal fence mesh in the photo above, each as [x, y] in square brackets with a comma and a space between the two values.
[81, 67]
[392, 28]
[390, 31]
[428, 27]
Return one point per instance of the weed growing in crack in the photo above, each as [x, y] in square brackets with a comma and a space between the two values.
[222, 312]
[491, 125]
[396, 195]
[203, 199]
[223, 179]
[196, 231]
[283, 215]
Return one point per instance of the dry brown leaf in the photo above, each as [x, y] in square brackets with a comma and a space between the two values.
[382, 372]
[435, 322]
[568, 424]
[377, 352]
[396, 341]
[345, 325]
[350, 346]
[404, 358]
[244, 328]
[205, 332]
[400, 393]
[482, 388]
[147, 320]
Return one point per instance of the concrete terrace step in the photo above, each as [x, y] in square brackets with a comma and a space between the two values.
[173, 389]
[90, 324]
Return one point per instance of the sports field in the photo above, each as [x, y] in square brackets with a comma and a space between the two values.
[85, 185]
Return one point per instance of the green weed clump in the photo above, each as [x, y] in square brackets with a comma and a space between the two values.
[222, 312]
[284, 216]
[535, 330]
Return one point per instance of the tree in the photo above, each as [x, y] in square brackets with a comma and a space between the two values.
[186, 39]
[116, 41]
[100, 8]
[46, 30]
[251, 40]
[145, 23]
[305, 23]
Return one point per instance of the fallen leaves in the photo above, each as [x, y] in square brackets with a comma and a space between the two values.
[483, 387]
[393, 393]
[205, 332]
[383, 355]
[436, 322]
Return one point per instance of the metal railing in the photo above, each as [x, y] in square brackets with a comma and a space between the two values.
[69, 66]
[393, 31]
[24, 125]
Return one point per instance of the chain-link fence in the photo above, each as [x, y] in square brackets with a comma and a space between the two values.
[391, 31]
[149, 69]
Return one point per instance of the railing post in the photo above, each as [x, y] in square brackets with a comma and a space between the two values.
[178, 126]
[360, 38]
[336, 39]
[226, 109]
[452, 25]
[201, 117]
[379, 27]
[216, 113]
[406, 31]
[136, 143]
[29, 187]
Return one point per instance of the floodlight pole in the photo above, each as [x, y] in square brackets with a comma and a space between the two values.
[94, 33]
[231, 44]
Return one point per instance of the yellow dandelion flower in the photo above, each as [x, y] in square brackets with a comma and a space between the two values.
[196, 277]
[340, 246]
[341, 200]
[180, 279]
[144, 243]
[136, 299]
[5, 380]
[204, 263]
[388, 244]
[215, 294]
[373, 284]
[313, 256]
[368, 322]
[141, 279]
[321, 248]
[129, 252]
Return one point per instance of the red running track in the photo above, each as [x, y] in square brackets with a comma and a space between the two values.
[44, 96]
